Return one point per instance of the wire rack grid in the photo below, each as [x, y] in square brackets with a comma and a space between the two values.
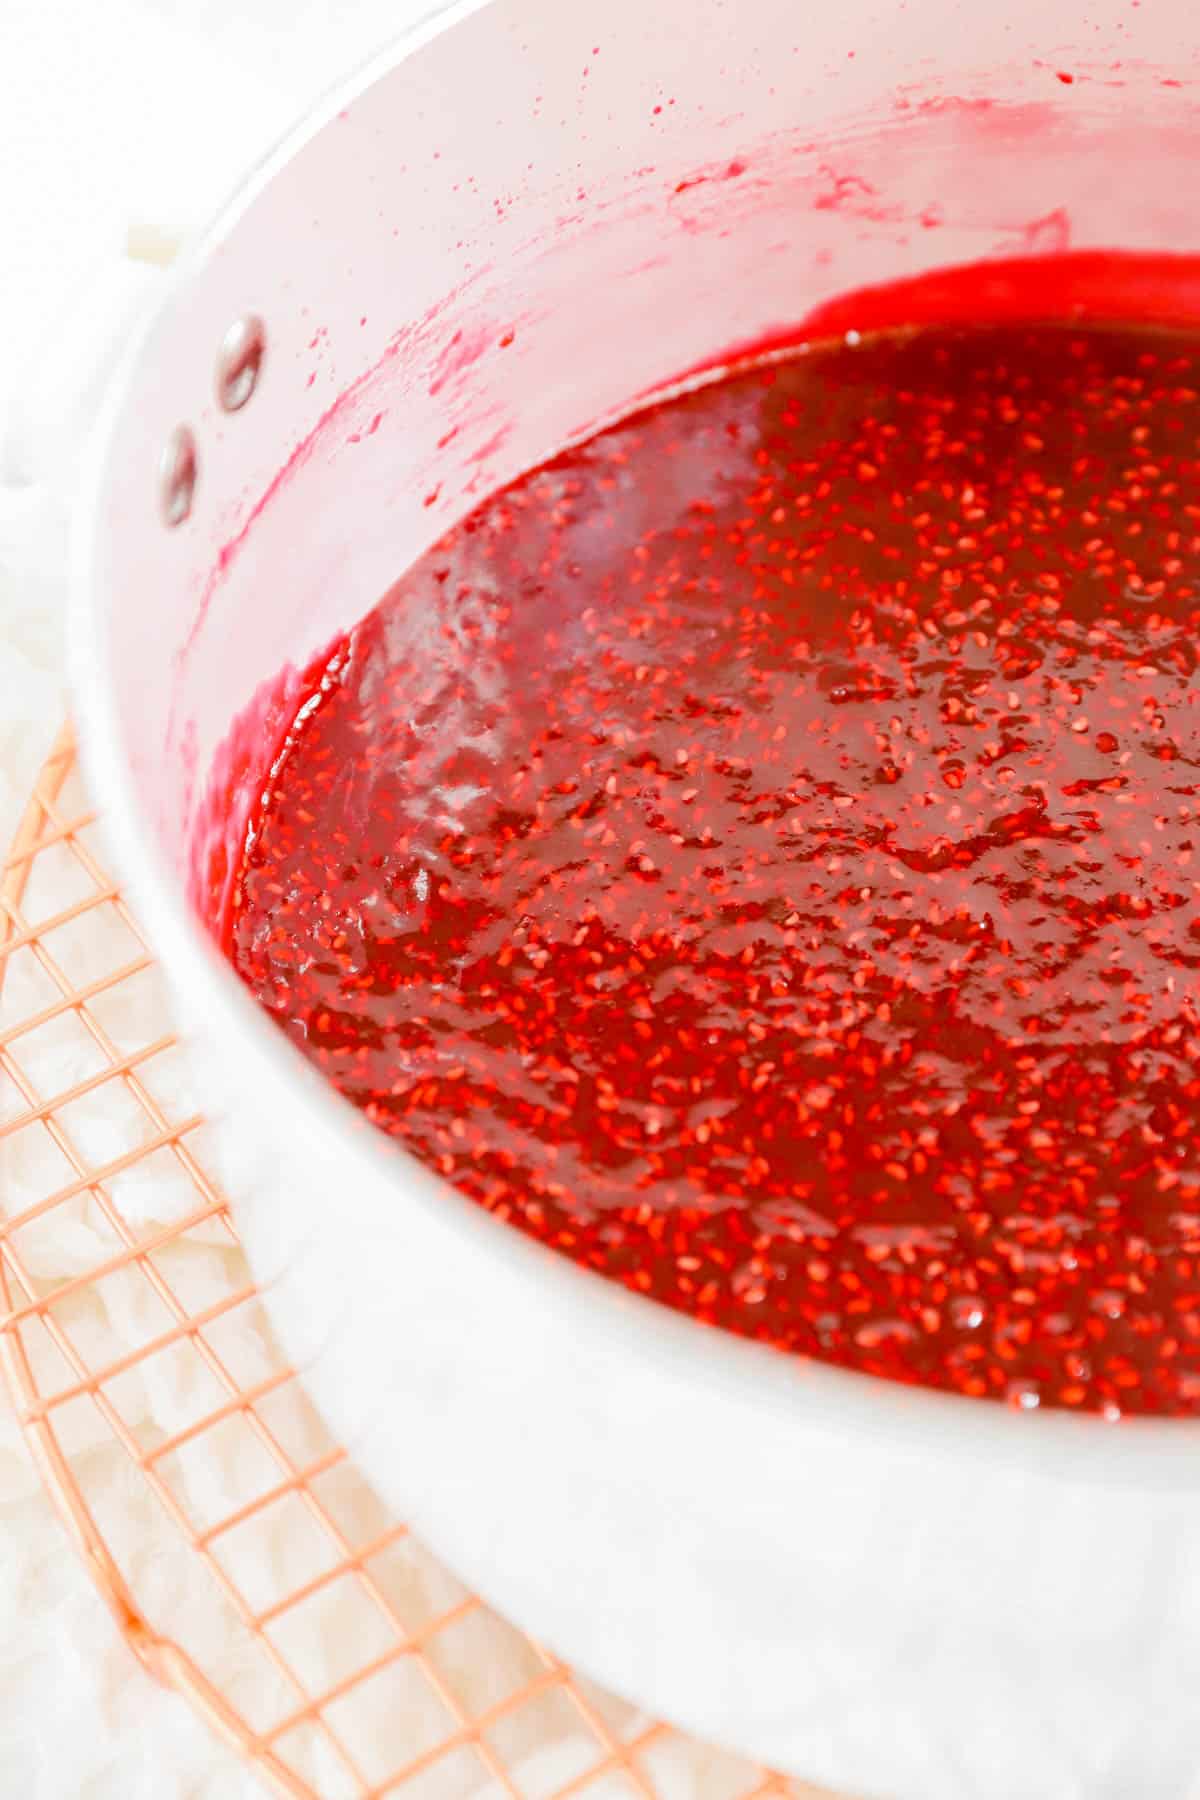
[244, 1560]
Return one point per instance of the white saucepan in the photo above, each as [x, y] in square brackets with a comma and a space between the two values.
[497, 235]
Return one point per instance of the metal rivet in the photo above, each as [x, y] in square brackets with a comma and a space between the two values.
[239, 361]
[177, 475]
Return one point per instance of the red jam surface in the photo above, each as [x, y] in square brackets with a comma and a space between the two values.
[757, 855]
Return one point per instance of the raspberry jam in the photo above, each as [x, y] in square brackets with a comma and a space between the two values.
[757, 856]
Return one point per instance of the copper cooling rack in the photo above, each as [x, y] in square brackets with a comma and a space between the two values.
[347, 1663]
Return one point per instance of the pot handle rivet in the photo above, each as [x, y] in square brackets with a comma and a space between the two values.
[239, 361]
[177, 475]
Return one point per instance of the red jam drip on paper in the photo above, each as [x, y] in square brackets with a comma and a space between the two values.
[758, 855]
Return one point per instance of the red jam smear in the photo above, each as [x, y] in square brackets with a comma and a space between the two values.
[757, 855]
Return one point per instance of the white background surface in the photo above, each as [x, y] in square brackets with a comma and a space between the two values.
[115, 116]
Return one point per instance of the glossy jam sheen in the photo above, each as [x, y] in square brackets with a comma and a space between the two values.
[758, 855]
